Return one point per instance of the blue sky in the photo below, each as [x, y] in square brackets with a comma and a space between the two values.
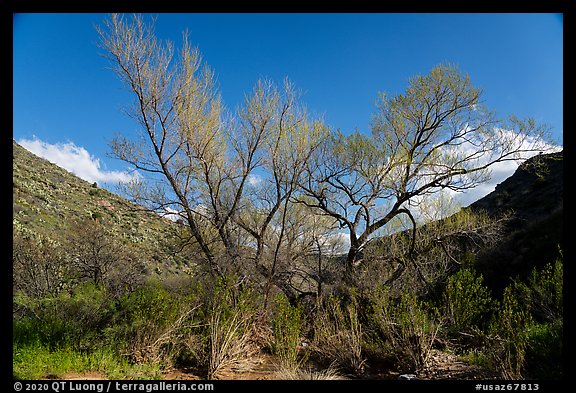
[67, 103]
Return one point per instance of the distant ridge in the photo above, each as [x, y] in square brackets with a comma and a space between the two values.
[534, 195]
[534, 191]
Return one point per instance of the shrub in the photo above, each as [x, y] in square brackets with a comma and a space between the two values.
[36, 361]
[547, 291]
[89, 309]
[467, 301]
[476, 357]
[152, 323]
[525, 334]
[405, 327]
[544, 351]
[76, 319]
[149, 327]
[39, 265]
[510, 331]
[287, 326]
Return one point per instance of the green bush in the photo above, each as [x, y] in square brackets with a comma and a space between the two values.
[66, 333]
[477, 358]
[547, 287]
[544, 351]
[524, 337]
[467, 302]
[287, 326]
[510, 329]
[76, 319]
[151, 324]
[36, 361]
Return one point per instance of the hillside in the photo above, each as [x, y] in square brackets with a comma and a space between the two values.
[533, 192]
[47, 200]
[534, 196]
[532, 200]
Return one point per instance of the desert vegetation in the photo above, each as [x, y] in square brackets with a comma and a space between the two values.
[142, 330]
[264, 197]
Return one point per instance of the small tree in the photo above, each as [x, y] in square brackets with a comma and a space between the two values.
[40, 267]
[97, 256]
[436, 136]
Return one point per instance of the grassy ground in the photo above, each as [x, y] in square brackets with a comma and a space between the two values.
[35, 361]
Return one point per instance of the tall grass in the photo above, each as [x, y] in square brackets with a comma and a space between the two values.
[232, 316]
[338, 335]
[406, 326]
[308, 374]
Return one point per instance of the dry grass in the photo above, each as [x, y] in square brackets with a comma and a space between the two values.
[308, 374]
[231, 341]
[338, 336]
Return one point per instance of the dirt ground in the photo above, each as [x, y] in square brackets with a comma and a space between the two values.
[443, 366]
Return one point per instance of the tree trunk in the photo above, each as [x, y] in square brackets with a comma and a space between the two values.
[349, 277]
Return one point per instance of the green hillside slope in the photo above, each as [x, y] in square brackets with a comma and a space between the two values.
[48, 201]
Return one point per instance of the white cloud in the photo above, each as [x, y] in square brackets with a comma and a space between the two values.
[254, 180]
[434, 207]
[171, 214]
[75, 159]
[335, 243]
[502, 170]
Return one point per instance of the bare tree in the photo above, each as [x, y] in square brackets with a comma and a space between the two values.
[314, 244]
[100, 257]
[39, 265]
[197, 164]
[290, 139]
[436, 136]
